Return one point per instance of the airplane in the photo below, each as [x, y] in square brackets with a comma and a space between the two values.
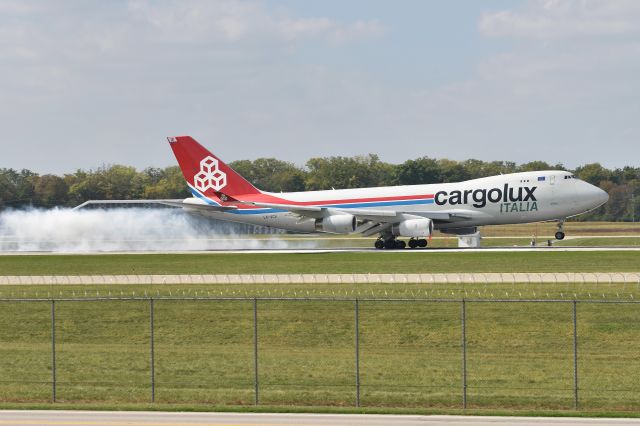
[410, 211]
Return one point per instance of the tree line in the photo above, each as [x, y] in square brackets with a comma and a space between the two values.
[25, 188]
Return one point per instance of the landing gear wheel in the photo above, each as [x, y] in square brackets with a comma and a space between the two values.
[560, 234]
[422, 242]
[390, 244]
[413, 243]
[379, 244]
[400, 244]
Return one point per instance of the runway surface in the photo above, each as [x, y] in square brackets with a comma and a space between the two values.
[341, 250]
[132, 418]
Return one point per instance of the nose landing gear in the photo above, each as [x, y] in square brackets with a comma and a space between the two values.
[560, 234]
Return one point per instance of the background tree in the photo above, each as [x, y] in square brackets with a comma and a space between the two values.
[593, 173]
[452, 171]
[50, 191]
[347, 172]
[17, 188]
[165, 183]
[270, 174]
[419, 171]
[25, 188]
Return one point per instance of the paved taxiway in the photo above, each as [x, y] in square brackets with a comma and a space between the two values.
[133, 418]
[341, 250]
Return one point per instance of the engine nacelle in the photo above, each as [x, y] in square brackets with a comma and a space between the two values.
[337, 223]
[416, 228]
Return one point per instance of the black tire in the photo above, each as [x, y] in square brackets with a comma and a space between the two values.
[400, 244]
[379, 244]
[559, 235]
[413, 244]
[422, 242]
[390, 244]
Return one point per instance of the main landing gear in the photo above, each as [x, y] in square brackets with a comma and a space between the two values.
[393, 244]
[560, 234]
[421, 242]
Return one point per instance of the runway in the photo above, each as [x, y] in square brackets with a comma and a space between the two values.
[133, 418]
[425, 251]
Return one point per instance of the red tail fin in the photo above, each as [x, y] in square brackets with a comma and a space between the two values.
[206, 173]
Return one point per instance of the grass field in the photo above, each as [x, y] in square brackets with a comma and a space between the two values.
[519, 355]
[366, 262]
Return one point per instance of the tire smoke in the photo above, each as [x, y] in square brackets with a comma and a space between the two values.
[125, 229]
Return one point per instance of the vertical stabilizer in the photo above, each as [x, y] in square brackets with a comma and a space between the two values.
[205, 173]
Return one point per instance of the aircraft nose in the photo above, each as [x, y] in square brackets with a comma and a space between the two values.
[602, 196]
[598, 196]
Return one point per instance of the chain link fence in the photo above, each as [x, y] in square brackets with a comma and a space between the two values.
[457, 353]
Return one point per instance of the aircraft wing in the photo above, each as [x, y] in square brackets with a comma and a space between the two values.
[378, 216]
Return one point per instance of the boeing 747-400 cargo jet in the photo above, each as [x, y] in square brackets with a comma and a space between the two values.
[412, 211]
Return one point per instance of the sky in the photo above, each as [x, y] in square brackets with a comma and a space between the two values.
[89, 83]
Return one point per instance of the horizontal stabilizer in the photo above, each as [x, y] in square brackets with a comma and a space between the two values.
[172, 203]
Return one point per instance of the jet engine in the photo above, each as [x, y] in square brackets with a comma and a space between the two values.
[415, 228]
[341, 223]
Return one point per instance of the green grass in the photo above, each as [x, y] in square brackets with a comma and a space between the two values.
[320, 263]
[519, 355]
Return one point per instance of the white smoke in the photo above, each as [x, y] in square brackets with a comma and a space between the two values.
[124, 229]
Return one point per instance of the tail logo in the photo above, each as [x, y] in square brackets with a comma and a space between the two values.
[210, 176]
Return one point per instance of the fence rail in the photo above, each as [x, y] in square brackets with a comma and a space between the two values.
[390, 352]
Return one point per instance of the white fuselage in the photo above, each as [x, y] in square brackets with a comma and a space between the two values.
[504, 199]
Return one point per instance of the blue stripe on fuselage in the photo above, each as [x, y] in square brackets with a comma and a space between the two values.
[340, 206]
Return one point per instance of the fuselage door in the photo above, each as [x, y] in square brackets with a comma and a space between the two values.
[551, 193]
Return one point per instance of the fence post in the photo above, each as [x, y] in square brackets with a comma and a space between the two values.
[575, 356]
[357, 336]
[153, 363]
[255, 349]
[464, 354]
[53, 350]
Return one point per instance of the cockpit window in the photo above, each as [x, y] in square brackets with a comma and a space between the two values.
[569, 177]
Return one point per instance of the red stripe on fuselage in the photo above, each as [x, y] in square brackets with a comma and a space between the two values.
[267, 198]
